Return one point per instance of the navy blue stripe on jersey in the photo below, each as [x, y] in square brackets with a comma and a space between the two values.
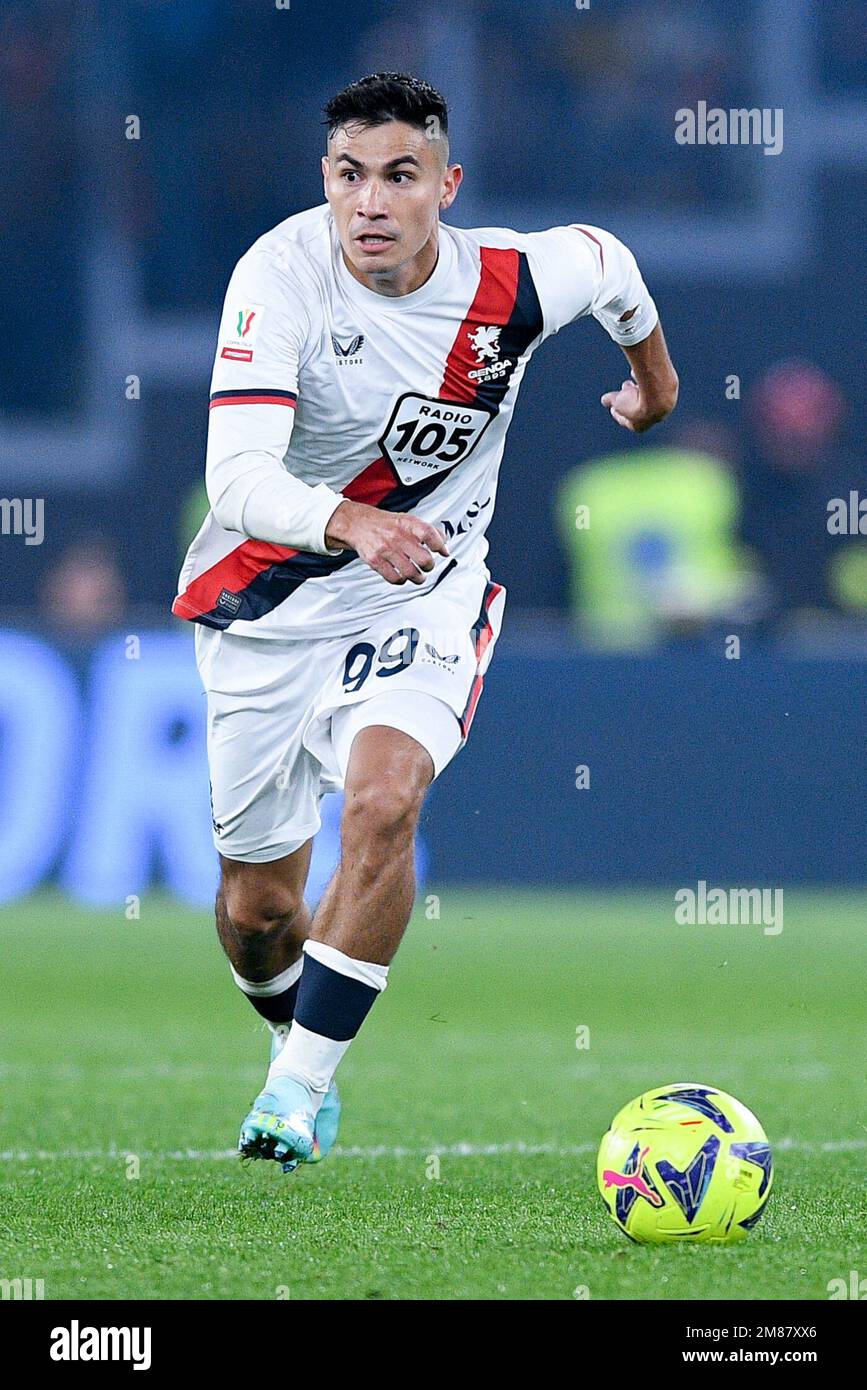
[254, 395]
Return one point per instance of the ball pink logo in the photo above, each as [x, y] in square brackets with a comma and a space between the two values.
[636, 1180]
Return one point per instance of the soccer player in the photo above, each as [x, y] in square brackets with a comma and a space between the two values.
[368, 363]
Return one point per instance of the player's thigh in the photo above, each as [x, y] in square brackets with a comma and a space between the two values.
[398, 740]
[265, 785]
[387, 775]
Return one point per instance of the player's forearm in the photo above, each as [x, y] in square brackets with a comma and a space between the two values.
[266, 503]
[654, 374]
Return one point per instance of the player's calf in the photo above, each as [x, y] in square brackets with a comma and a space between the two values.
[367, 905]
[262, 922]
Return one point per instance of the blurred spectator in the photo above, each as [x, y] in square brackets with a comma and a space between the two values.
[796, 466]
[84, 591]
[651, 538]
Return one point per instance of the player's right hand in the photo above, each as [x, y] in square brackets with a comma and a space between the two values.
[400, 547]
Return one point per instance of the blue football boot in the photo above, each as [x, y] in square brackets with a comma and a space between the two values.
[280, 1125]
[282, 1114]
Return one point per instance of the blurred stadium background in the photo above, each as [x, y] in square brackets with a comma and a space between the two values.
[117, 251]
[678, 694]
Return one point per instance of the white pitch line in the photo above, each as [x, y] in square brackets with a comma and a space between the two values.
[464, 1150]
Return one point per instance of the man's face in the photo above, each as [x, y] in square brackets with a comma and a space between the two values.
[386, 186]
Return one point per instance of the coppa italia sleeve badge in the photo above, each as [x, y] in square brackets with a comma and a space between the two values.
[240, 325]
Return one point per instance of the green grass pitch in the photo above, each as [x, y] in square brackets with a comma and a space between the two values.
[471, 1119]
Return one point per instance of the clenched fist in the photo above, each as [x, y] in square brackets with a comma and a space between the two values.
[629, 408]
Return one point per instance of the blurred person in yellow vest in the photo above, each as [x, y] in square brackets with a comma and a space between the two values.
[651, 538]
[194, 509]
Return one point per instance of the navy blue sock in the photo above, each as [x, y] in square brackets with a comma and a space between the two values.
[277, 1008]
[331, 1004]
[274, 999]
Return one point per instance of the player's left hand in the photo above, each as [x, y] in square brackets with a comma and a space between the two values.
[627, 407]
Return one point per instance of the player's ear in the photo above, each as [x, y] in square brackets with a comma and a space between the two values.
[325, 172]
[452, 179]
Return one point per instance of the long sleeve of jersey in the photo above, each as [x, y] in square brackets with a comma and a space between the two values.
[585, 270]
[254, 395]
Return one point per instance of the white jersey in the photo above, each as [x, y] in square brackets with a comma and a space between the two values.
[324, 389]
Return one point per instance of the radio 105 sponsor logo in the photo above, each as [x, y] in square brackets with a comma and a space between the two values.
[425, 435]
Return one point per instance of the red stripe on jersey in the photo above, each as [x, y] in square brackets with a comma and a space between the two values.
[237, 569]
[594, 239]
[373, 483]
[252, 400]
[242, 565]
[491, 308]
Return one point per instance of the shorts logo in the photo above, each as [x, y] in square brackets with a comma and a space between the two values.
[441, 660]
[230, 603]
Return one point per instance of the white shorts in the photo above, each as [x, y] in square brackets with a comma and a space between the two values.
[282, 715]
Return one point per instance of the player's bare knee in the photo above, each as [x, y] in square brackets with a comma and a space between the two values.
[254, 911]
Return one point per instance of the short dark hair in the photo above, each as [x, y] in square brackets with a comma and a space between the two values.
[387, 96]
